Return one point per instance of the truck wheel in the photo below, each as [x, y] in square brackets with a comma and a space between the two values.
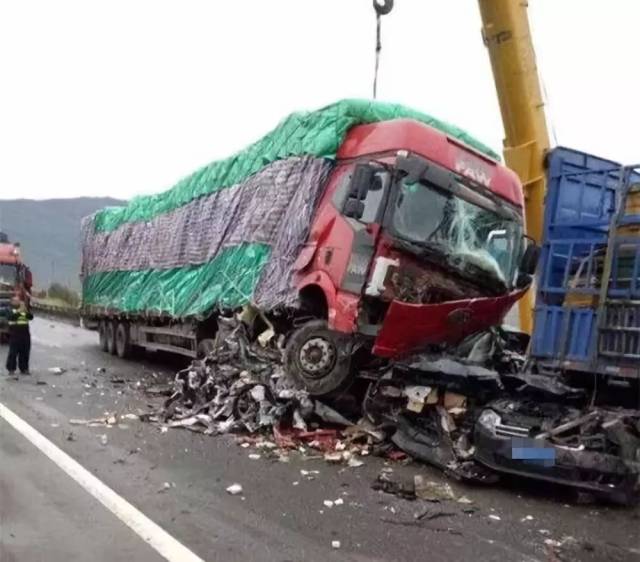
[123, 341]
[205, 347]
[111, 337]
[102, 335]
[319, 359]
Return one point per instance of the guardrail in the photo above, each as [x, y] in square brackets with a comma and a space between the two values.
[64, 312]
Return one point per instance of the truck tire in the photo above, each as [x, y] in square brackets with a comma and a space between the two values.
[102, 335]
[111, 337]
[319, 359]
[123, 341]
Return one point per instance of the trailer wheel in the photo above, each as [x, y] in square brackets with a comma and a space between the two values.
[102, 335]
[319, 359]
[111, 337]
[123, 341]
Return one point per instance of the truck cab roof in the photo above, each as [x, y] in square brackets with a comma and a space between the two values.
[9, 253]
[419, 138]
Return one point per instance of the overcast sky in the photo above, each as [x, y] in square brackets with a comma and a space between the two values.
[125, 97]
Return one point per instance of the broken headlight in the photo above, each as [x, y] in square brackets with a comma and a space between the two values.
[489, 419]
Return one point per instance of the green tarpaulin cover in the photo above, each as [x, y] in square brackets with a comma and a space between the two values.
[201, 245]
[317, 133]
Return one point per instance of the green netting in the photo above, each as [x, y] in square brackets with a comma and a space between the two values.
[317, 133]
[226, 281]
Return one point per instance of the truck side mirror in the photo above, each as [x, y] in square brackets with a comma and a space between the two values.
[362, 181]
[530, 257]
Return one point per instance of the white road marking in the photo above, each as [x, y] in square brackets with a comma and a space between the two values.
[152, 534]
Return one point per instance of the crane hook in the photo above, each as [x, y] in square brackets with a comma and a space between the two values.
[382, 7]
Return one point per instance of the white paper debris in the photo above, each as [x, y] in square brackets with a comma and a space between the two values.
[234, 489]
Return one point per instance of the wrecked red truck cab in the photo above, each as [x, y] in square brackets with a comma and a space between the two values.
[418, 240]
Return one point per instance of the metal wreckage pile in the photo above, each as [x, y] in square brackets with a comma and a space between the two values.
[474, 412]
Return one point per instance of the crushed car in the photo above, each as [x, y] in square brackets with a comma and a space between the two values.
[472, 411]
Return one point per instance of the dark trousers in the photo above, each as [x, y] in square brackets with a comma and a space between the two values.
[19, 350]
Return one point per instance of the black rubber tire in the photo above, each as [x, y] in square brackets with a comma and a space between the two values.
[111, 337]
[339, 375]
[205, 347]
[102, 336]
[123, 341]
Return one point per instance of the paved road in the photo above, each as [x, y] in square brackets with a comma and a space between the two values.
[44, 515]
[280, 515]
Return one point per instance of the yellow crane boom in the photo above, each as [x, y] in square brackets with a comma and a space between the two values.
[506, 34]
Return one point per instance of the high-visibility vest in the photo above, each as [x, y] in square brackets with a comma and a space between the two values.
[21, 320]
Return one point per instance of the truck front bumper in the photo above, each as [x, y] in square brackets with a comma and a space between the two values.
[411, 327]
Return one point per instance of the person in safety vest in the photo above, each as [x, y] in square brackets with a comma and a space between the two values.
[19, 337]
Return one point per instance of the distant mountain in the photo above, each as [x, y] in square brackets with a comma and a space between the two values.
[49, 233]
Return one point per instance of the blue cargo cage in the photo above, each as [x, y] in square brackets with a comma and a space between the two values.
[587, 314]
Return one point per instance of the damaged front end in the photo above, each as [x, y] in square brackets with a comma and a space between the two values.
[451, 262]
[597, 451]
[476, 422]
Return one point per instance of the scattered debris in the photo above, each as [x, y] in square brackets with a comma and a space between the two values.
[432, 491]
[234, 489]
[464, 500]
[309, 474]
[465, 410]
[385, 483]
[109, 420]
[255, 457]
[103, 439]
[166, 486]
[56, 370]
[430, 515]
[495, 517]
[335, 544]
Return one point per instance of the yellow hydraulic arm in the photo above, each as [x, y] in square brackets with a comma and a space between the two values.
[506, 34]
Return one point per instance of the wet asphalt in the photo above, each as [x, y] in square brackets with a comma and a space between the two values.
[178, 479]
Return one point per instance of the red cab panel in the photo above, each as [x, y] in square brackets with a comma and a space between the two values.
[409, 327]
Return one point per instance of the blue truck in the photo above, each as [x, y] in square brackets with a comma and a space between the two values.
[587, 314]
[581, 425]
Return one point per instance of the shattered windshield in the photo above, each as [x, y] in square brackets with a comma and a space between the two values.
[465, 233]
[7, 275]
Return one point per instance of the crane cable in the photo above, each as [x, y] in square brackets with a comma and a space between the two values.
[382, 8]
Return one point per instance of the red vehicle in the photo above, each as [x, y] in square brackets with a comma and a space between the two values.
[417, 241]
[15, 280]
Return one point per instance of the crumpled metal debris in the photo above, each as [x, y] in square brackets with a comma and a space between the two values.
[437, 407]
[241, 387]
